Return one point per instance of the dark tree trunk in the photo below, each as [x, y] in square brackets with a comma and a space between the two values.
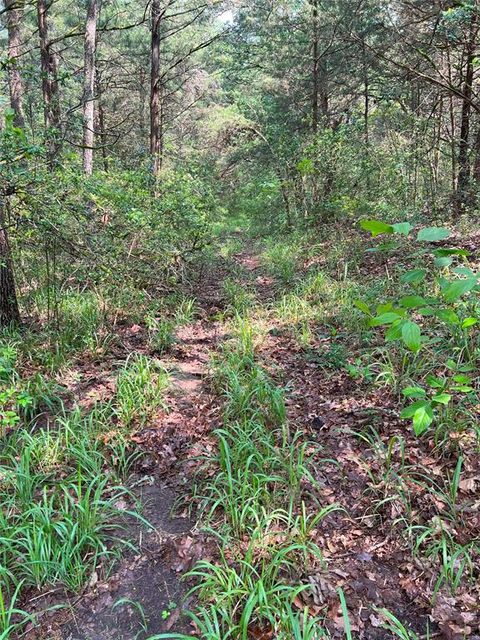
[50, 92]
[89, 85]
[476, 165]
[13, 21]
[9, 311]
[156, 133]
[103, 133]
[463, 184]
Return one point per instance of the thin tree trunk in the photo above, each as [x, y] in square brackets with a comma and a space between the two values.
[51, 102]
[13, 21]
[156, 137]
[315, 66]
[453, 133]
[103, 133]
[9, 311]
[476, 165]
[463, 149]
[89, 85]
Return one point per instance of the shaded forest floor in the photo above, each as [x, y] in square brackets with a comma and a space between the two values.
[362, 458]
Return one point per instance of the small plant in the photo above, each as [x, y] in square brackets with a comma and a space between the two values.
[394, 626]
[161, 334]
[238, 299]
[11, 618]
[282, 260]
[137, 607]
[140, 386]
[185, 311]
[438, 396]
[166, 613]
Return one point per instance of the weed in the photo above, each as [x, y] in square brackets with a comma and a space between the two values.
[140, 387]
[238, 299]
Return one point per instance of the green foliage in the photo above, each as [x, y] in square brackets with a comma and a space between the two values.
[58, 503]
[139, 394]
[440, 309]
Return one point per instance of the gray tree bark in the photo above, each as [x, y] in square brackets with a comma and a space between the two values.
[89, 85]
[156, 125]
[13, 19]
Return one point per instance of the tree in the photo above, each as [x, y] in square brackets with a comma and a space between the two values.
[89, 85]
[13, 19]
[156, 128]
[463, 184]
[50, 89]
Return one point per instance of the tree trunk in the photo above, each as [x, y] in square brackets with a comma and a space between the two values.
[315, 66]
[13, 21]
[89, 85]
[51, 102]
[9, 311]
[463, 183]
[103, 134]
[476, 164]
[156, 133]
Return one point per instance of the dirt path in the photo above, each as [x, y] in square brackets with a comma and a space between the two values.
[144, 594]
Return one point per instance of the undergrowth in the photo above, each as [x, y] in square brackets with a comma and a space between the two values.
[63, 478]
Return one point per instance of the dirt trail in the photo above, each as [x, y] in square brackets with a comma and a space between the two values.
[144, 594]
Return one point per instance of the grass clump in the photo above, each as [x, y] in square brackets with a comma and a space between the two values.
[60, 507]
[140, 386]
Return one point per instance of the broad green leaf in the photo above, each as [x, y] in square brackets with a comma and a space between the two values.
[464, 271]
[384, 308]
[469, 322]
[442, 253]
[410, 302]
[403, 228]
[376, 227]
[441, 263]
[442, 398]
[411, 410]
[363, 307]
[462, 379]
[414, 392]
[433, 234]
[414, 276]
[394, 332]
[411, 335]
[422, 419]
[426, 311]
[447, 315]
[434, 382]
[463, 389]
[384, 318]
[457, 289]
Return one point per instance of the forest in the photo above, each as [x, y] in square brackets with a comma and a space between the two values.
[239, 319]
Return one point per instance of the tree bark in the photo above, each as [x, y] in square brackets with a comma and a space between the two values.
[463, 184]
[50, 92]
[89, 85]
[13, 21]
[9, 311]
[156, 133]
[315, 66]
[103, 134]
